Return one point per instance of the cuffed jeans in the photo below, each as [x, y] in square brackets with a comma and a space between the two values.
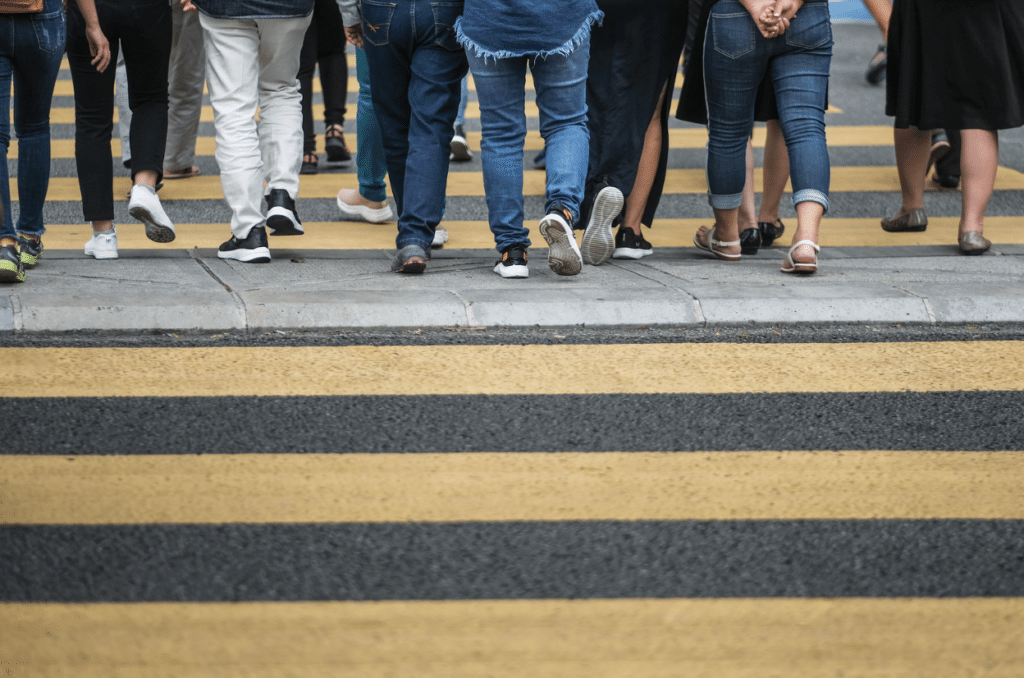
[561, 85]
[31, 47]
[250, 64]
[371, 167]
[142, 30]
[736, 58]
[416, 67]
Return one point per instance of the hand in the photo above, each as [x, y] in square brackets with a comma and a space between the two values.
[764, 15]
[787, 9]
[187, 6]
[98, 47]
[354, 34]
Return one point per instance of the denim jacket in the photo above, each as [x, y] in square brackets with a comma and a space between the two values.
[514, 28]
[254, 9]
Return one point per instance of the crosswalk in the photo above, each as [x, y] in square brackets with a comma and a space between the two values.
[832, 509]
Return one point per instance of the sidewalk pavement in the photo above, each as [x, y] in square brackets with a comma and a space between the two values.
[182, 291]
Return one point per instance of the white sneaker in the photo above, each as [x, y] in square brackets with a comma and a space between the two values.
[347, 202]
[145, 206]
[598, 241]
[440, 238]
[102, 244]
[564, 256]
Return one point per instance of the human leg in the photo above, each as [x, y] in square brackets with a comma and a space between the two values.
[912, 151]
[307, 65]
[979, 161]
[185, 78]
[330, 55]
[775, 174]
[460, 146]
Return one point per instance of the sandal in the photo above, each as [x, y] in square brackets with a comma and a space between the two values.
[309, 164]
[334, 142]
[714, 246]
[186, 173]
[791, 265]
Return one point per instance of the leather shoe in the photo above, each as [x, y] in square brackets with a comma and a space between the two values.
[909, 222]
[750, 240]
[770, 232]
[973, 242]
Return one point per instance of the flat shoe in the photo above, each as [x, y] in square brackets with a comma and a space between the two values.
[973, 242]
[186, 173]
[711, 245]
[750, 240]
[913, 221]
[790, 265]
[770, 232]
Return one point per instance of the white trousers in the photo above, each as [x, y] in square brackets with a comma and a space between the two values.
[251, 65]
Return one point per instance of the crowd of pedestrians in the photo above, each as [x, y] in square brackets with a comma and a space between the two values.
[603, 71]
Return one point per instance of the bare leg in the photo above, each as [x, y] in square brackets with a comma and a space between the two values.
[726, 230]
[648, 168]
[776, 173]
[913, 146]
[978, 162]
[808, 221]
[881, 10]
[746, 216]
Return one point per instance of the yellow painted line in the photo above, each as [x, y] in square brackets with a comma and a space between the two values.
[356, 235]
[471, 184]
[412, 370]
[678, 138]
[653, 638]
[304, 488]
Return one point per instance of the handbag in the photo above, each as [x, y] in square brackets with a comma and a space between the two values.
[21, 6]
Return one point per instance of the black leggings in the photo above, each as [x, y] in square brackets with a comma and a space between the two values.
[324, 44]
[142, 28]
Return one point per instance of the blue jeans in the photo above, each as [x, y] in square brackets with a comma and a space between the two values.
[416, 67]
[561, 85]
[460, 117]
[31, 47]
[371, 168]
[736, 59]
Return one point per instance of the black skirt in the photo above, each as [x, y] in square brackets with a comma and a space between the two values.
[955, 64]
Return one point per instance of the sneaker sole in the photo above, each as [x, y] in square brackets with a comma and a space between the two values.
[260, 255]
[630, 253]
[30, 262]
[373, 215]
[515, 271]
[101, 255]
[10, 273]
[460, 150]
[564, 256]
[598, 241]
[154, 231]
[281, 222]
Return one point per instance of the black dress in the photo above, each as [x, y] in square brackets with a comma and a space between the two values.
[632, 55]
[955, 64]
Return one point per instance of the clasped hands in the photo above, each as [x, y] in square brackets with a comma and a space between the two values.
[772, 16]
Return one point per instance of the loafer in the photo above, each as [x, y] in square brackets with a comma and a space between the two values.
[770, 232]
[750, 240]
[973, 242]
[911, 222]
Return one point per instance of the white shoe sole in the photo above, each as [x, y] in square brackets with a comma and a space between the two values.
[598, 241]
[362, 212]
[564, 256]
[516, 271]
[460, 150]
[260, 255]
[281, 221]
[155, 231]
[101, 255]
[630, 253]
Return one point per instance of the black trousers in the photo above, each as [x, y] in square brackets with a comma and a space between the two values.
[142, 28]
[324, 44]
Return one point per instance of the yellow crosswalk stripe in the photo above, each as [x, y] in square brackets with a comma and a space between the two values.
[412, 370]
[654, 638]
[357, 235]
[303, 488]
[680, 181]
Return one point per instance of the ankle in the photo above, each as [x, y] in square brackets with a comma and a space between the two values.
[8, 242]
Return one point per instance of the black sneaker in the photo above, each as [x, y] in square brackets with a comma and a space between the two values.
[11, 268]
[460, 147]
[629, 245]
[253, 249]
[31, 247]
[512, 263]
[334, 143]
[282, 219]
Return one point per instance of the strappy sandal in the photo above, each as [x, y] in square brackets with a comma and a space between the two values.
[790, 265]
[713, 246]
[334, 142]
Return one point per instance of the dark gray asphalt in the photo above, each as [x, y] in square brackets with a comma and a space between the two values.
[466, 561]
[514, 423]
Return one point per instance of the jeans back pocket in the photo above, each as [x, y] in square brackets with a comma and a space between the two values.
[445, 14]
[733, 34]
[51, 31]
[376, 21]
[811, 27]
